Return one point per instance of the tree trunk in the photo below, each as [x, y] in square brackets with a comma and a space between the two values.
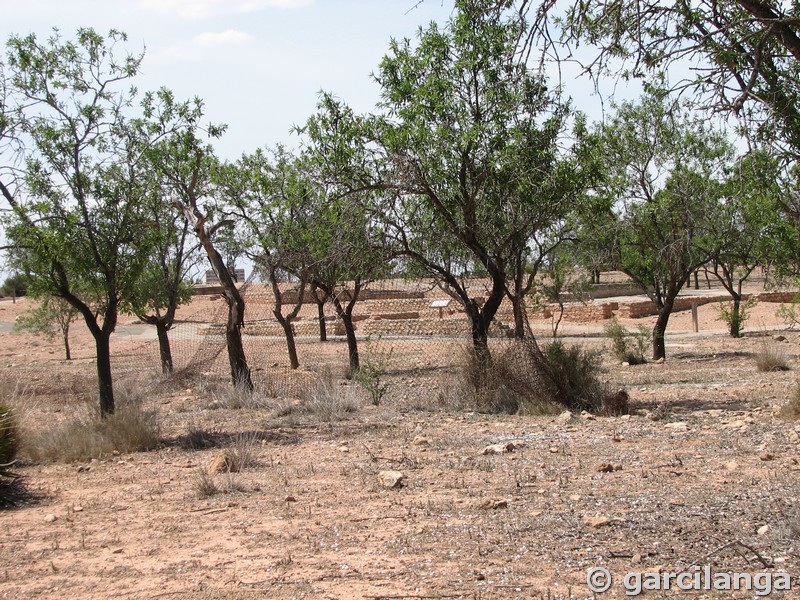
[352, 342]
[519, 316]
[696, 280]
[659, 329]
[240, 372]
[736, 316]
[323, 329]
[65, 333]
[480, 335]
[105, 382]
[165, 351]
[288, 333]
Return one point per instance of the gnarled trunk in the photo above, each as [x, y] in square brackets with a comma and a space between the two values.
[164, 349]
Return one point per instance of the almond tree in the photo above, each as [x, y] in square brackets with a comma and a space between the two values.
[665, 179]
[188, 167]
[74, 223]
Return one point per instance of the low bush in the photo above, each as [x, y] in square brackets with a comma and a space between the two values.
[521, 378]
[132, 428]
[628, 346]
[327, 400]
[771, 357]
[575, 374]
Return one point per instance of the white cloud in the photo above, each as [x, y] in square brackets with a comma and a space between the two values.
[203, 9]
[199, 46]
[229, 37]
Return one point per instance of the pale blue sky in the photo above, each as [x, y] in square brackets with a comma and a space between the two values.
[257, 64]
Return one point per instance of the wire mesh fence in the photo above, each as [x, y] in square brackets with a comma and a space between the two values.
[408, 326]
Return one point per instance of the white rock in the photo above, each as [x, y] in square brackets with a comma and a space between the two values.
[391, 479]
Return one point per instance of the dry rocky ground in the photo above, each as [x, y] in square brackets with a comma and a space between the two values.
[704, 472]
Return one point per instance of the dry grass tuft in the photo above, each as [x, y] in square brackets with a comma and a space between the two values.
[771, 357]
[791, 410]
[132, 428]
[204, 484]
[326, 400]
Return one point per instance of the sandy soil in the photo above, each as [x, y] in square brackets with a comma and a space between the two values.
[703, 473]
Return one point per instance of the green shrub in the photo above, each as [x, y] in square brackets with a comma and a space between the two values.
[628, 346]
[735, 319]
[524, 379]
[575, 374]
[372, 372]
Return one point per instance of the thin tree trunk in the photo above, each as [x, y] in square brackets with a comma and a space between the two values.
[659, 330]
[346, 315]
[164, 348]
[291, 346]
[65, 333]
[323, 328]
[104, 379]
[736, 316]
[352, 342]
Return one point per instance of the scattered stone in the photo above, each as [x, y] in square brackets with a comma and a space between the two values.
[391, 479]
[766, 456]
[625, 363]
[585, 414]
[117, 551]
[564, 417]
[596, 522]
[605, 468]
[763, 530]
[660, 361]
[290, 499]
[494, 504]
[223, 462]
[779, 338]
[677, 426]
[499, 448]
[575, 497]
[732, 466]
[51, 518]
[77, 509]
[636, 559]
[84, 469]
[420, 441]
[553, 450]
[343, 449]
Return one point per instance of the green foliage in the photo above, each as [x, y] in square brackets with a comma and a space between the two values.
[790, 313]
[371, 373]
[628, 346]
[735, 316]
[52, 317]
[575, 373]
[16, 285]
